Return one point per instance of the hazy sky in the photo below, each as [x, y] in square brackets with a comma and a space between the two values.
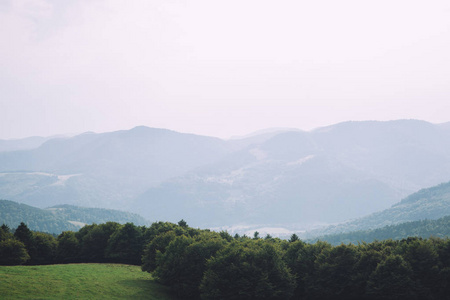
[219, 68]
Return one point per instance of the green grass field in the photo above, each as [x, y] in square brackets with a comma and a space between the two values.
[79, 281]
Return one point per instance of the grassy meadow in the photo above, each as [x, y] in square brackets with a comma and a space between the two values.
[79, 281]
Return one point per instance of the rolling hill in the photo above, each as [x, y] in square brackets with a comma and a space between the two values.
[424, 228]
[427, 204]
[62, 217]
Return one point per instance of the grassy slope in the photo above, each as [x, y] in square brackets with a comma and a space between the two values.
[79, 281]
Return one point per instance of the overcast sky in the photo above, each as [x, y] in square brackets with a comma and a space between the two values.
[219, 68]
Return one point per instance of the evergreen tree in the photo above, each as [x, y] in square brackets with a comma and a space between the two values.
[23, 234]
[5, 233]
[293, 238]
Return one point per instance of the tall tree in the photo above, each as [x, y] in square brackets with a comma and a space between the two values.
[45, 246]
[125, 245]
[68, 249]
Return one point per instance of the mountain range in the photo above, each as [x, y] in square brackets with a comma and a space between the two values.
[281, 178]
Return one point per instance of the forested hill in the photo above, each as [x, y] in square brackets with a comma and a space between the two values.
[61, 218]
[12, 213]
[423, 228]
[431, 203]
[96, 215]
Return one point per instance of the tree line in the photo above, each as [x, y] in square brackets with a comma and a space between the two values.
[198, 263]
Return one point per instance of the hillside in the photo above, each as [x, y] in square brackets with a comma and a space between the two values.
[61, 218]
[424, 228]
[431, 203]
[327, 175]
[103, 170]
[22, 144]
[285, 178]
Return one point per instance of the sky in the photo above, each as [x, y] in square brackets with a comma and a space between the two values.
[219, 68]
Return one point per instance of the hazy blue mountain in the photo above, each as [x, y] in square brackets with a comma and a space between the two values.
[328, 175]
[103, 170]
[61, 218]
[430, 203]
[299, 178]
[445, 125]
[22, 144]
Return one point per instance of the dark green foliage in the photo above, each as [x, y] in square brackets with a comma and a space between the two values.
[226, 236]
[294, 238]
[182, 223]
[250, 270]
[198, 263]
[369, 258]
[300, 258]
[68, 249]
[23, 234]
[392, 280]
[183, 263]
[423, 258]
[45, 247]
[125, 245]
[157, 228]
[157, 245]
[13, 252]
[94, 240]
[5, 233]
[5, 228]
[334, 271]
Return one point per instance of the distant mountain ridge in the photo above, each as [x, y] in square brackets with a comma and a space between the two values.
[22, 144]
[61, 218]
[324, 176]
[327, 175]
[106, 170]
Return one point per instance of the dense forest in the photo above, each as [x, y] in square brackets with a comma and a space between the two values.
[198, 263]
